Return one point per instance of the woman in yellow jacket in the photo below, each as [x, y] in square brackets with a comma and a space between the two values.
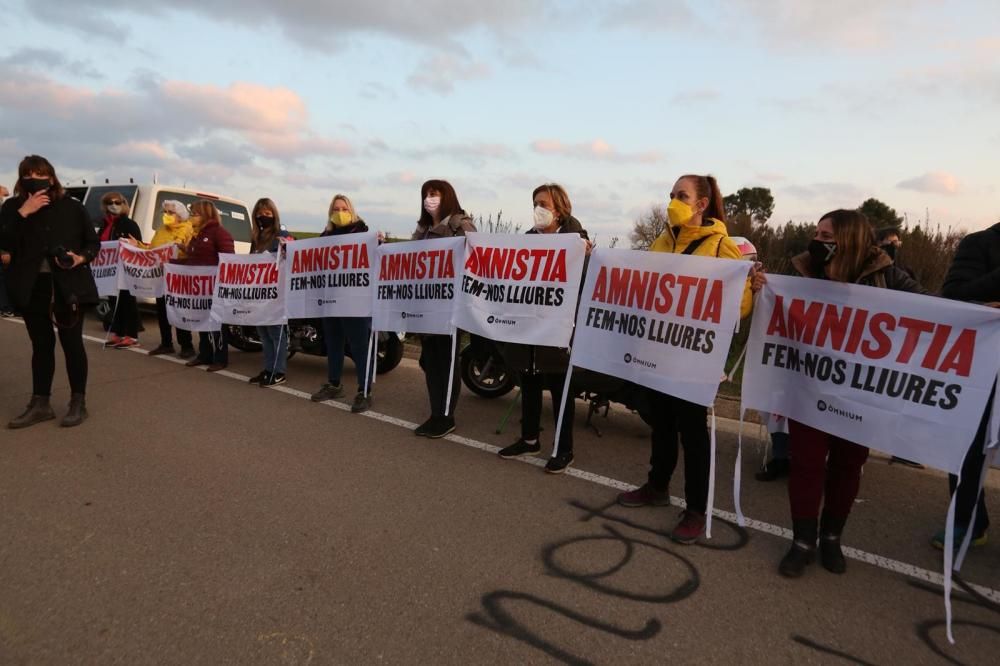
[175, 228]
[696, 226]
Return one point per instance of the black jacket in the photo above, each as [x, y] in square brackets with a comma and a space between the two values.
[974, 274]
[63, 223]
[879, 271]
[547, 360]
[122, 227]
[358, 227]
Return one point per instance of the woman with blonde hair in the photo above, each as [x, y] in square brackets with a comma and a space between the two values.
[354, 331]
[826, 468]
[210, 240]
[124, 329]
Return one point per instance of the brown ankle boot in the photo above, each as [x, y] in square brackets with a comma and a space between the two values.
[77, 411]
[38, 410]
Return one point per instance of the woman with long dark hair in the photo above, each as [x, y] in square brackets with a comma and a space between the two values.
[697, 226]
[46, 241]
[441, 216]
[825, 468]
[268, 237]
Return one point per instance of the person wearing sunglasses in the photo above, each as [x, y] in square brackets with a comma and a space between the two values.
[124, 330]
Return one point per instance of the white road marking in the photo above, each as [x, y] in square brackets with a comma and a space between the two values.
[886, 563]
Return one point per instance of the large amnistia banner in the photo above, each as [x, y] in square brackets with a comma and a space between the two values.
[330, 276]
[248, 290]
[521, 288]
[140, 270]
[105, 269]
[188, 297]
[416, 286]
[660, 320]
[902, 373]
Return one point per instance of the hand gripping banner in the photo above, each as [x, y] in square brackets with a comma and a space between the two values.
[140, 271]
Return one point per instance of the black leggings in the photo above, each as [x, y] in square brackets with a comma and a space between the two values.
[184, 338]
[125, 322]
[435, 359]
[532, 385]
[43, 339]
[669, 417]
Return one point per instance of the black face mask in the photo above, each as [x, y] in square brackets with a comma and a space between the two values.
[890, 250]
[265, 222]
[821, 252]
[32, 185]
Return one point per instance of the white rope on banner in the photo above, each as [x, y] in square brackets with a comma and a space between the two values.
[277, 350]
[114, 315]
[975, 509]
[738, 473]
[369, 380]
[711, 480]
[451, 373]
[562, 410]
[949, 545]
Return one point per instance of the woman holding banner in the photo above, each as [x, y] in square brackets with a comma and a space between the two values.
[696, 226]
[544, 367]
[210, 240]
[268, 236]
[825, 468]
[175, 229]
[354, 331]
[441, 216]
[118, 225]
[46, 240]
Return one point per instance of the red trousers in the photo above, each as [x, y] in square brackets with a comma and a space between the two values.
[823, 467]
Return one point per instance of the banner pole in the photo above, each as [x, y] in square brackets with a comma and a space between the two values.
[562, 410]
[711, 480]
[451, 373]
[368, 363]
[738, 473]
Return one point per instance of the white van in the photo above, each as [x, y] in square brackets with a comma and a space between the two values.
[146, 202]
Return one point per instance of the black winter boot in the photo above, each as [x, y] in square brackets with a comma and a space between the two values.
[38, 410]
[77, 411]
[830, 554]
[803, 550]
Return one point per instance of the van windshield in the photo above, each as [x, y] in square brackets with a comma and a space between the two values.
[92, 201]
[235, 217]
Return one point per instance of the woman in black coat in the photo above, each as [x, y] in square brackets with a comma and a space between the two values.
[117, 225]
[46, 242]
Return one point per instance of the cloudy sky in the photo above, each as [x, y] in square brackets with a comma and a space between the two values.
[826, 103]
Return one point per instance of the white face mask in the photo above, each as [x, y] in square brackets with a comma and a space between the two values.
[543, 218]
[431, 204]
[114, 209]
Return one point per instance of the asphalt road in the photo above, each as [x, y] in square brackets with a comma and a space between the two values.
[195, 519]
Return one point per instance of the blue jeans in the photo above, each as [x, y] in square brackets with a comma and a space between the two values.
[214, 347]
[779, 445]
[275, 341]
[354, 331]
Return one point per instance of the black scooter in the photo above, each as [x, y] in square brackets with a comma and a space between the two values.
[306, 336]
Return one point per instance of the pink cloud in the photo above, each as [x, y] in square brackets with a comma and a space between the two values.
[936, 182]
[598, 149]
[242, 106]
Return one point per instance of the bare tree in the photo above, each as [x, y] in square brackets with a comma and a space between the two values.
[648, 227]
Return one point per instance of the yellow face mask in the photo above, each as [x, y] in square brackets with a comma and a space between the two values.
[341, 218]
[169, 219]
[679, 213]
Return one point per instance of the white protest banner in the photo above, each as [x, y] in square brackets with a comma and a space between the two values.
[105, 269]
[330, 276]
[188, 297]
[248, 290]
[416, 285]
[520, 288]
[659, 319]
[140, 270]
[902, 373]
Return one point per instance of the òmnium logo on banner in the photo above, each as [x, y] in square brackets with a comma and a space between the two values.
[500, 322]
[823, 406]
[237, 312]
[629, 359]
[325, 301]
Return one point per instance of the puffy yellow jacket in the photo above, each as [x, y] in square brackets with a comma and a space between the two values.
[180, 232]
[717, 243]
